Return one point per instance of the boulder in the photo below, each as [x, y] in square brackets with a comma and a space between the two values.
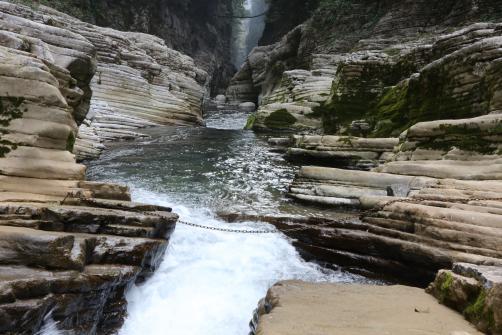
[473, 290]
[220, 99]
[247, 107]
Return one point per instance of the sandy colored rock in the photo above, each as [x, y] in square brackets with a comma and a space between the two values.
[314, 309]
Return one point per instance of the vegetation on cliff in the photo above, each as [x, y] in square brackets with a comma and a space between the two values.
[10, 109]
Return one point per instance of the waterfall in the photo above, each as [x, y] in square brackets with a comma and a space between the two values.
[247, 32]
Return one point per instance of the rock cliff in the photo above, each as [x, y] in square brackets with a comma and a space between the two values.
[135, 79]
[400, 101]
[199, 28]
[69, 248]
[365, 49]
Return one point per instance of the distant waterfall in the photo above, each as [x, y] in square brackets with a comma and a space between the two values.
[247, 32]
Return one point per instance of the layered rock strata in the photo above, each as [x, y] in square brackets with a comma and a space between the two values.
[392, 78]
[135, 80]
[73, 263]
[294, 307]
[70, 248]
[287, 103]
[341, 151]
[199, 28]
[438, 202]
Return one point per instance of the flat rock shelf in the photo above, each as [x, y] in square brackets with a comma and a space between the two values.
[339, 309]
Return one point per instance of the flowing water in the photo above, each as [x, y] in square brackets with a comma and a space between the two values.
[209, 282]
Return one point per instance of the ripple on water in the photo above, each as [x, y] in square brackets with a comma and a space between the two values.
[218, 169]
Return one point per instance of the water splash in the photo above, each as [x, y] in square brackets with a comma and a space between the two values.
[49, 326]
[210, 282]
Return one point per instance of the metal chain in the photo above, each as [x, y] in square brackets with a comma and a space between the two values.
[342, 220]
[244, 231]
[332, 221]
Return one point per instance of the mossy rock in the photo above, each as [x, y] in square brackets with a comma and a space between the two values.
[356, 98]
[280, 119]
[250, 122]
[70, 142]
[480, 314]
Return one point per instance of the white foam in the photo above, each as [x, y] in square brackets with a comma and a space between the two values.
[210, 282]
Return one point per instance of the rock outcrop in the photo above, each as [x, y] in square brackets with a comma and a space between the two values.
[438, 201]
[138, 81]
[199, 28]
[74, 263]
[341, 151]
[386, 70]
[299, 308]
[473, 290]
[70, 248]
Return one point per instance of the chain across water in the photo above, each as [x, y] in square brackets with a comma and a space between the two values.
[343, 220]
[332, 221]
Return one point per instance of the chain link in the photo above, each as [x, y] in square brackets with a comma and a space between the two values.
[244, 231]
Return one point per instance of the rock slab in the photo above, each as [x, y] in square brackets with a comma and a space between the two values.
[299, 308]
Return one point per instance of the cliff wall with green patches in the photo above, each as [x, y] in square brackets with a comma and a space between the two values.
[392, 63]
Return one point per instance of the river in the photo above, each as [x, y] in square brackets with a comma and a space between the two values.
[209, 282]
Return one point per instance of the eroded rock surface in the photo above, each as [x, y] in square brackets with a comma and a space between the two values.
[294, 307]
[473, 290]
[70, 248]
[341, 151]
[75, 263]
[135, 79]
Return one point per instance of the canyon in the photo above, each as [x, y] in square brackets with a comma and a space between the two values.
[380, 121]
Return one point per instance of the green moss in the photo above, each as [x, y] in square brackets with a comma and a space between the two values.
[316, 113]
[356, 98]
[70, 142]
[280, 119]
[346, 140]
[390, 118]
[392, 51]
[250, 122]
[10, 109]
[444, 289]
[477, 312]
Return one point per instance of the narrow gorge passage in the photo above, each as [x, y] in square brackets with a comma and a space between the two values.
[209, 282]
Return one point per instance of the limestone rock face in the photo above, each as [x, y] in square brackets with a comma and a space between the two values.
[341, 151]
[136, 81]
[139, 83]
[199, 28]
[70, 248]
[390, 71]
[76, 262]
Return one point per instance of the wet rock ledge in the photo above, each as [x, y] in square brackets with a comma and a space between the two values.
[75, 261]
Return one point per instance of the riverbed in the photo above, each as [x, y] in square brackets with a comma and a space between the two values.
[209, 281]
